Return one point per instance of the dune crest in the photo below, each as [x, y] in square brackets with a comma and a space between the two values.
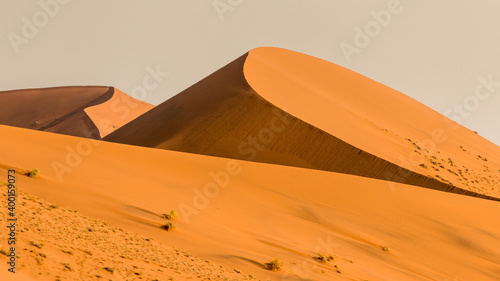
[281, 107]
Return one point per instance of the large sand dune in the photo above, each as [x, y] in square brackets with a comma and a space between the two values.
[277, 106]
[241, 214]
[91, 111]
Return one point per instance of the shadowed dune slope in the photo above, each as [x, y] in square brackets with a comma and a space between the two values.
[277, 106]
[87, 111]
[237, 214]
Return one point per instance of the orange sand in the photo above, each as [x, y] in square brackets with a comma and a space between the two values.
[336, 166]
[268, 211]
[277, 106]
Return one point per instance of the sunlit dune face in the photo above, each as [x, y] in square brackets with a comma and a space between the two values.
[374, 118]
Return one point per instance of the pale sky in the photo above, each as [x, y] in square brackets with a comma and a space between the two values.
[445, 54]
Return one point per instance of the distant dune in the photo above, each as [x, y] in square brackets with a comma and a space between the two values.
[277, 106]
[89, 111]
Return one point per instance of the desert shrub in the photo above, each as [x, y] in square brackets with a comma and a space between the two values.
[67, 266]
[423, 166]
[322, 258]
[38, 245]
[34, 173]
[274, 265]
[417, 146]
[172, 215]
[168, 226]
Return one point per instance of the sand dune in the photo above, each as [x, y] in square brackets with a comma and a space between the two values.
[373, 230]
[277, 106]
[91, 112]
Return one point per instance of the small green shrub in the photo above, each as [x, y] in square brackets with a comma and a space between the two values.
[171, 216]
[34, 173]
[274, 265]
[168, 226]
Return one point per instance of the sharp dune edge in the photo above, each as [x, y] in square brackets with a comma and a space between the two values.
[264, 212]
[84, 111]
[263, 94]
[276, 155]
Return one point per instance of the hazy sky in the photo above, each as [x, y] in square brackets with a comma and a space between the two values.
[445, 54]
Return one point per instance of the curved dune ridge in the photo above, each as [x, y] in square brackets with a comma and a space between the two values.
[277, 106]
[85, 111]
[232, 213]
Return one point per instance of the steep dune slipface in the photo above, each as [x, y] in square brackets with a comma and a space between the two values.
[376, 119]
[277, 106]
[90, 112]
[242, 214]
